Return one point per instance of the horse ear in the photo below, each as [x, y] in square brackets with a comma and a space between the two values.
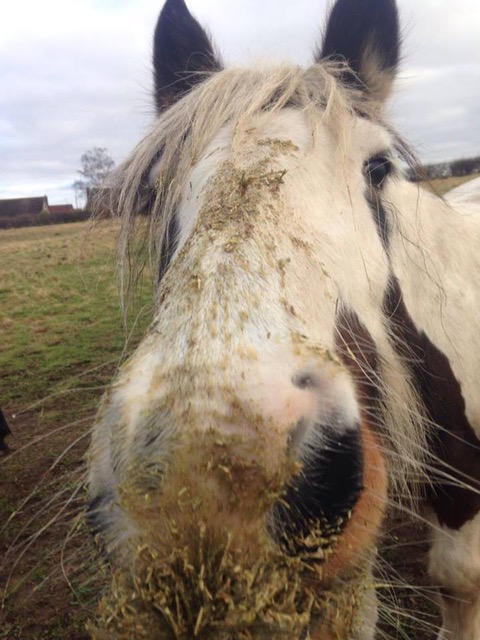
[182, 54]
[365, 35]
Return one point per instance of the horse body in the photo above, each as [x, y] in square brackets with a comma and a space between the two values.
[468, 192]
[440, 240]
[308, 339]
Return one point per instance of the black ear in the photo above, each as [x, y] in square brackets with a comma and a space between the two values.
[181, 49]
[365, 34]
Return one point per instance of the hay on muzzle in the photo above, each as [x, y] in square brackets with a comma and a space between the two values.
[206, 566]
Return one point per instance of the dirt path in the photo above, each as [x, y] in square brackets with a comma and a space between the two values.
[44, 582]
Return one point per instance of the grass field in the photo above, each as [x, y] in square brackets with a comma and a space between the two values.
[62, 338]
[442, 185]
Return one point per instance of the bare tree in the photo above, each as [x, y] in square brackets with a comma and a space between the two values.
[96, 165]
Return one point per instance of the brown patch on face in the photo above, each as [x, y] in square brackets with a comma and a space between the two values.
[357, 350]
[453, 444]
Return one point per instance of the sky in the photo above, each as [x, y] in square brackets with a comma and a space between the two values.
[77, 74]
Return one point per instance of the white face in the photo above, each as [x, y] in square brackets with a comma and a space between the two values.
[302, 317]
[275, 237]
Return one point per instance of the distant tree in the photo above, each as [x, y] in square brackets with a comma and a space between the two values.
[96, 165]
[461, 167]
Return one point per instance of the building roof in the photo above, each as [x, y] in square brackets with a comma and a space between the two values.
[60, 208]
[22, 206]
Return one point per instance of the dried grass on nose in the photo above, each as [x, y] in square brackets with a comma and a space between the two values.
[205, 566]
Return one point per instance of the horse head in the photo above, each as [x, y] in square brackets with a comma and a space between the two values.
[238, 469]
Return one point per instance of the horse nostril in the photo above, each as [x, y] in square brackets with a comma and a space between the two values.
[317, 502]
[305, 380]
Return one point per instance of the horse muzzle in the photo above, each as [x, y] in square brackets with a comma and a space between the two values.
[259, 505]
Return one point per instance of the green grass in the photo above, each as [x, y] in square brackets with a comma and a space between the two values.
[62, 338]
[60, 318]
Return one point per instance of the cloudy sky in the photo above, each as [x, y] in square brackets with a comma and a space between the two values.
[76, 74]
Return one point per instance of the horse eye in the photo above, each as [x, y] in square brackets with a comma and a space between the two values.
[377, 169]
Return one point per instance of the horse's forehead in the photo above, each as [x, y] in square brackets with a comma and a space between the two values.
[317, 198]
[288, 124]
[251, 139]
[290, 138]
[344, 131]
[335, 138]
[297, 186]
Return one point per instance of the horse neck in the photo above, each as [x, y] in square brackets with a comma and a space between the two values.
[434, 247]
[434, 257]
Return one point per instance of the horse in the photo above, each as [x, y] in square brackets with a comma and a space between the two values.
[467, 192]
[313, 354]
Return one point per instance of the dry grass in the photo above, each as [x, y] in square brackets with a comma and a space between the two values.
[62, 339]
[442, 185]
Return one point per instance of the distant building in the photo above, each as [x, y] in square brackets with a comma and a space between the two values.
[22, 212]
[60, 208]
[15, 207]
